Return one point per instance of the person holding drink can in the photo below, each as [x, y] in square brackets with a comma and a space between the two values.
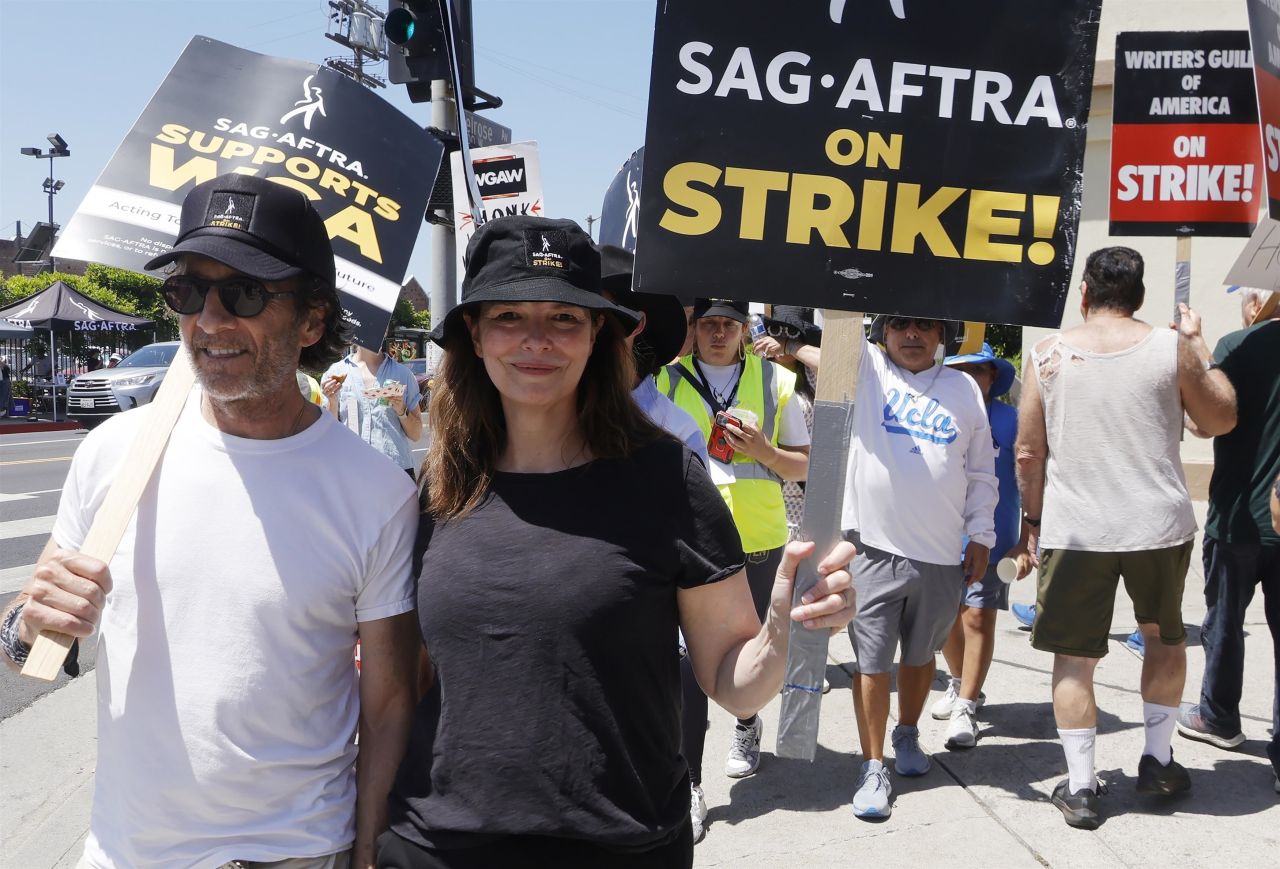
[756, 439]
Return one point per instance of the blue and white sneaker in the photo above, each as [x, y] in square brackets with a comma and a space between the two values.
[1136, 643]
[871, 799]
[908, 758]
[1025, 613]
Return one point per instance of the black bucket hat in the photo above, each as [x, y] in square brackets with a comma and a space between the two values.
[255, 226]
[665, 325]
[795, 319]
[531, 259]
[739, 311]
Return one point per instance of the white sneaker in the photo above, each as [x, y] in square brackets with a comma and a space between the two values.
[871, 798]
[963, 730]
[697, 813]
[941, 709]
[744, 753]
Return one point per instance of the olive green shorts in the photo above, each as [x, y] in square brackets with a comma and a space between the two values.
[1076, 595]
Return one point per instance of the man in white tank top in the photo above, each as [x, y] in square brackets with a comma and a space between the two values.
[1103, 489]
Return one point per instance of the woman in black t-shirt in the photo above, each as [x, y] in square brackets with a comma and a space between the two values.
[563, 541]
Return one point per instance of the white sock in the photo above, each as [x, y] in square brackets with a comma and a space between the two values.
[1160, 721]
[1077, 745]
[971, 705]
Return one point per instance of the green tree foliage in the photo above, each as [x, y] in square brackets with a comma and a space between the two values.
[140, 292]
[405, 316]
[1006, 342]
[118, 289]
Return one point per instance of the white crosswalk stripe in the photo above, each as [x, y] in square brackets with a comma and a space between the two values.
[26, 527]
[24, 496]
[12, 579]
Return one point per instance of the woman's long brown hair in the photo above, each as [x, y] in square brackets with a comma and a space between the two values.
[469, 431]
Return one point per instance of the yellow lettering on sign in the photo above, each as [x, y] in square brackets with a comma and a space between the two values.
[755, 184]
[356, 226]
[677, 185]
[165, 174]
[805, 216]
[912, 218]
[984, 222]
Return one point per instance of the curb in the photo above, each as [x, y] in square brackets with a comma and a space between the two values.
[19, 427]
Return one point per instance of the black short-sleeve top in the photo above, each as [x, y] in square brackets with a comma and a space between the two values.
[550, 616]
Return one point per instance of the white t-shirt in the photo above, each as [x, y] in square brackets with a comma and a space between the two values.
[227, 696]
[921, 462]
[664, 413]
[722, 378]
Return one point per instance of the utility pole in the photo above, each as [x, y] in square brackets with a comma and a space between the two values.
[356, 25]
[591, 221]
[444, 270]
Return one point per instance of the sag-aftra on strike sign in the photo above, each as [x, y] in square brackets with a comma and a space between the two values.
[917, 158]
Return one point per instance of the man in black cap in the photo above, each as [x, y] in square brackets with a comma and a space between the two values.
[228, 699]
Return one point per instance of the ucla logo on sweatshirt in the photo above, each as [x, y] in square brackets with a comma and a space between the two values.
[904, 415]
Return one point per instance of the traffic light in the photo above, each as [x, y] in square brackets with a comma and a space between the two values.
[416, 52]
[416, 42]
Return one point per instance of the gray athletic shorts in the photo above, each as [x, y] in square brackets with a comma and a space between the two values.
[901, 600]
[988, 593]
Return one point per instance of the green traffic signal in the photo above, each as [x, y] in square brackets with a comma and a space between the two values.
[399, 26]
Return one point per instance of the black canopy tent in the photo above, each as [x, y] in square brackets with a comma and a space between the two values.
[59, 308]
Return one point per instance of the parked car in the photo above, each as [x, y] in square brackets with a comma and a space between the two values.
[97, 395]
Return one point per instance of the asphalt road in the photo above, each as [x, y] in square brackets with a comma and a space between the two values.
[32, 470]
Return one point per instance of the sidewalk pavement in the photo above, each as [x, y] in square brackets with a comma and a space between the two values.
[988, 806]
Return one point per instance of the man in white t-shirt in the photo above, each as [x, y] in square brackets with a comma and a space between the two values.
[921, 476]
[228, 701]
[1098, 427]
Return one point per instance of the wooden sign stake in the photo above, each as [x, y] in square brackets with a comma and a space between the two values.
[843, 340]
[1182, 274]
[109, 523]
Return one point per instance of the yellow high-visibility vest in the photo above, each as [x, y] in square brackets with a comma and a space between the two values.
[755, 498]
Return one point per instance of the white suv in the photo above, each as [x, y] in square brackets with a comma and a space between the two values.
[93, 397]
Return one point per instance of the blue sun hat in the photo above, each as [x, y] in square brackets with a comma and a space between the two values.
[1004, 368]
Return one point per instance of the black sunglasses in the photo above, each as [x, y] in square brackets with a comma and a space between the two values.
[900, 323]
[780, 330]
[242, 296]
